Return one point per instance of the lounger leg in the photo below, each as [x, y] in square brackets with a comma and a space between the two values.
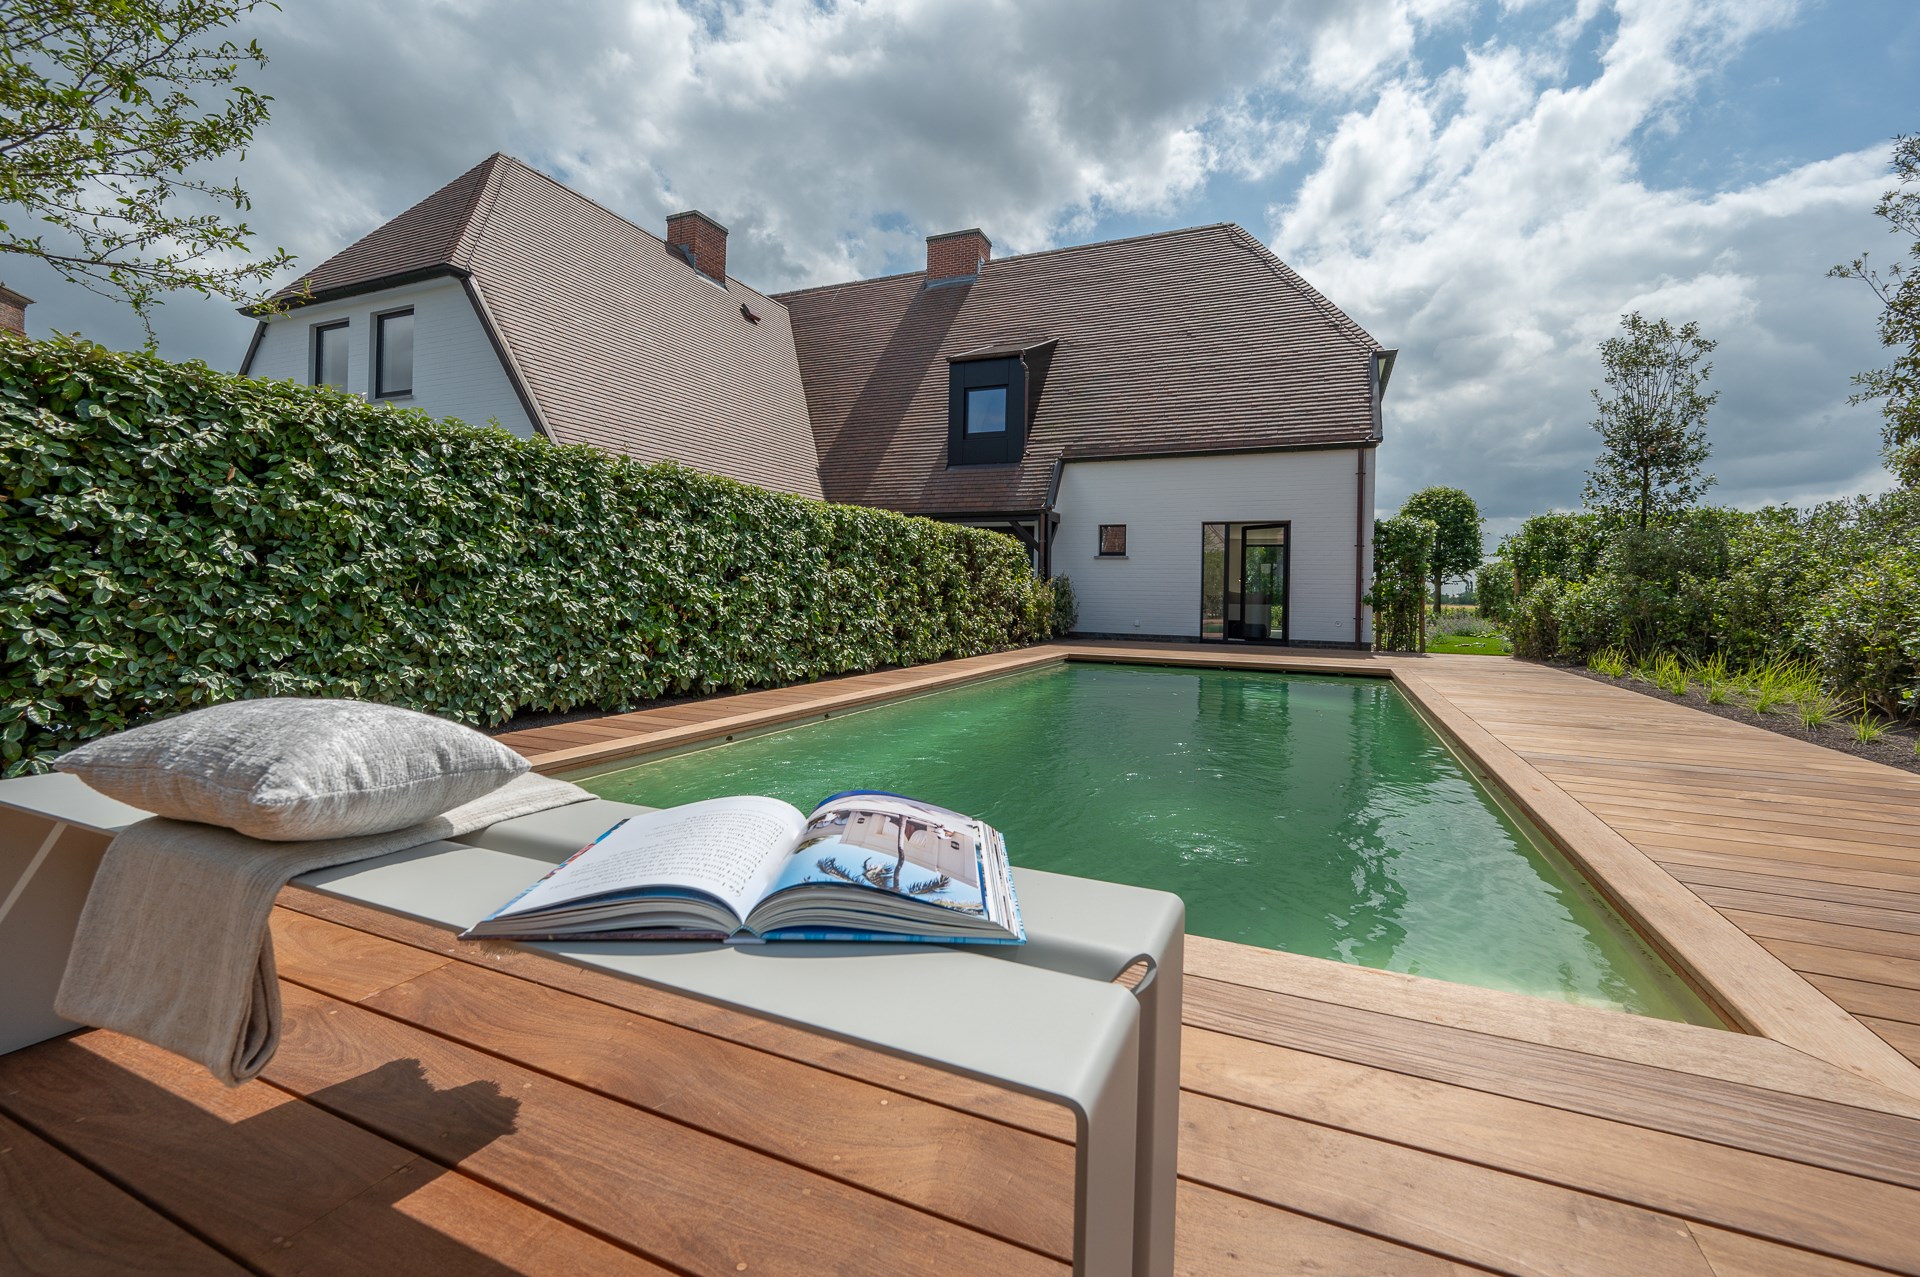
[1104, 1175]
[1159, 1121]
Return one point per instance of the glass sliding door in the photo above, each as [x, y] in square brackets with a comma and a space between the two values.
[1243, 582]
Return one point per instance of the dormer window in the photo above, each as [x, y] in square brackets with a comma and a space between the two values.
[986, 410]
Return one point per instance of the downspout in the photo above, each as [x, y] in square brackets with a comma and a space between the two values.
[1381, 369]
[1359, 544]
[1046, 519]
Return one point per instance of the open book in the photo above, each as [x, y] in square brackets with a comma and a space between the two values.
[861, 866]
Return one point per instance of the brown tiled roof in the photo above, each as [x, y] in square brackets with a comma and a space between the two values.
[425, 237]
[1190, 341]
[619, 341]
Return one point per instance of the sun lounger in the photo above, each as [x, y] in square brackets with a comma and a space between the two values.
[1044, 1018]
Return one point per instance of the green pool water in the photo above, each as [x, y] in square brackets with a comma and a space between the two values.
[1316, 815]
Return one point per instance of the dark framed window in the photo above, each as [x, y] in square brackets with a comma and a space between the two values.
[330, 354]
[393, 354]
[1113, 540]
[986, 412]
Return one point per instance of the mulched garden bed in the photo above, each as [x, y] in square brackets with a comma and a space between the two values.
[1895, 749]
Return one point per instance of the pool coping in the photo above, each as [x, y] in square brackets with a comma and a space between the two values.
[1756, 992]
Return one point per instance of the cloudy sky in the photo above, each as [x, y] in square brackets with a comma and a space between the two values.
[1487, 185]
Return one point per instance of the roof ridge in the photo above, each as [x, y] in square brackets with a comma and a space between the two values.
[474, 224]
[1041, 252]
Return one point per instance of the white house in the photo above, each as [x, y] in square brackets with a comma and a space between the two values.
[1177, 422]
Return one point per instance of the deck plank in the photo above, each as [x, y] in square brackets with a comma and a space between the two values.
[60, 1219]
[1835, 1136]
[282, 1185]
[1503, 1222]
[1224, 1235]
[933, 1158]
[551, 1144]
[1841, 1214]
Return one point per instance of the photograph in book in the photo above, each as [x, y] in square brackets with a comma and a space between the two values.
[861, 866]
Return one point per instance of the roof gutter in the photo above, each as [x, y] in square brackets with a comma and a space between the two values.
[380, 284]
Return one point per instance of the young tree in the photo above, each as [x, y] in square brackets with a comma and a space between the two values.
[1653, 426]
[1456, 545]
[109, 111]
[1898, 384]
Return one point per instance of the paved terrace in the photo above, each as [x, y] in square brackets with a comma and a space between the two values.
[432, 1110]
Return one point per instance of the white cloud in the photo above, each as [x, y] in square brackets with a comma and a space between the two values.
[1492, 221]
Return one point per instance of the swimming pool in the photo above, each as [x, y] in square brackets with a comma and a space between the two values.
[1314, 814]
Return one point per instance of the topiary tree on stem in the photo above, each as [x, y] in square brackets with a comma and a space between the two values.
[1456, 544]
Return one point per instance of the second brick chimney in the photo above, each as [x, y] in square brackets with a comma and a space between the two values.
[703, 239]
[13, 311]
[957, 254]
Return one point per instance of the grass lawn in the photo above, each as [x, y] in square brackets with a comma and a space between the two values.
[1467, 645]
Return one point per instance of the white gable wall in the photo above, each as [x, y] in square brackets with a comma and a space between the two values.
[455, 370]
[1155, 589]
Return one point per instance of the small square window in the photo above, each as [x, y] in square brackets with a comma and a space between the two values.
[987, 410]
[330, 355]
[1113, 540]
[393, 355]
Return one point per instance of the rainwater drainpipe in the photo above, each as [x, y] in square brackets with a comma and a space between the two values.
[1382, 369]
[1359, 541]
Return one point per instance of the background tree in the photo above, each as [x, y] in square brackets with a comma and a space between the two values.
[1898, 384]
[1456, 546]
[1653, 425]
[109, 111]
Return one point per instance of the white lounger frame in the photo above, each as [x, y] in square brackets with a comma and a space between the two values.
[1044, 1018]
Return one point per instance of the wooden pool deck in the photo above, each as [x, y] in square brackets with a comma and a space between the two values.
[432, 1110]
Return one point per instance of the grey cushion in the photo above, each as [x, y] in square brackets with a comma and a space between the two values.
[286, 769]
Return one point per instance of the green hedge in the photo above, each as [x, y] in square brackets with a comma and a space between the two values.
[175, 537]
[1836, 585]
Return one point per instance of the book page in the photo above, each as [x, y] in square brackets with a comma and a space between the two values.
[891, 844]
[727, 847]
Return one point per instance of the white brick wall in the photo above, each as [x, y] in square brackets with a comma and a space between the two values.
[1164, 500]
[455, 370]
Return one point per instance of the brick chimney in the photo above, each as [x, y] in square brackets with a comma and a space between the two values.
[13, 311]
[702, 239]
[957, 254]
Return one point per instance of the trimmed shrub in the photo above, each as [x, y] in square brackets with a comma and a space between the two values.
[1493, 589]
[1534, 626]
[1863, 632]
[1066, 608]
[1564, 547]
[1402, 551]
[174, 537]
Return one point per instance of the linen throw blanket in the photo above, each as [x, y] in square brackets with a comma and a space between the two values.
[173, 946]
